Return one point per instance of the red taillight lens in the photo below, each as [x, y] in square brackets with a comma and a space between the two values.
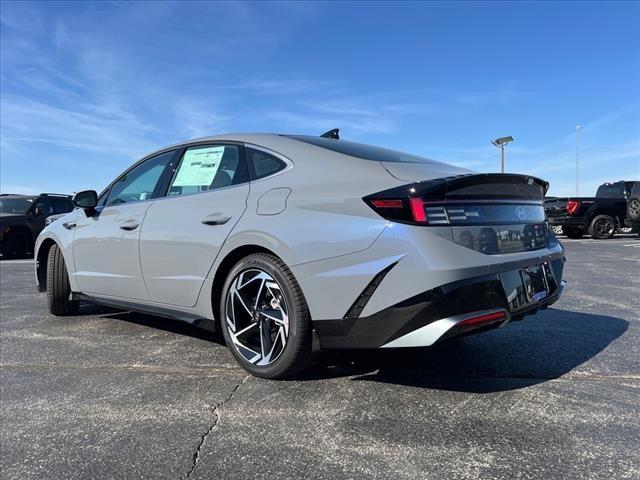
[384, 203]
[483, 319]
[418, 212]
[572, 206]
[408, 210]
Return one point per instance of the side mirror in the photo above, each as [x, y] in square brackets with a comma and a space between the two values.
[87, 200]
[37, 211]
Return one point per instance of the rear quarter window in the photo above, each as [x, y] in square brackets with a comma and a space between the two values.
[263, 164]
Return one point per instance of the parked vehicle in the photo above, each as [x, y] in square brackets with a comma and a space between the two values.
[297, 243]
[633, 208]
[22, 218]
[600, 216]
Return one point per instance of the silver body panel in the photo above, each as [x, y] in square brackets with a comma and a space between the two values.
[311, 215]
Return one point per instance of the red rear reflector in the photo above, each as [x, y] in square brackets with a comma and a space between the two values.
[417, 210]
[572, 206]
[481, 319]
[387, 203]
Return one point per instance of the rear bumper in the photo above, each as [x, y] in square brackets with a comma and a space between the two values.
[443, 312]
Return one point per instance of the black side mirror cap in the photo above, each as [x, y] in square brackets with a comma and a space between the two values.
[87, 200]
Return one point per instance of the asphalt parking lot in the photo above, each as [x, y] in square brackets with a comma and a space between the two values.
[109, 394]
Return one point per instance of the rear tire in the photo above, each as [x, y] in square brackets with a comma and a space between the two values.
[572, 232]
[602, 226]
[58, 287]
[265, 318]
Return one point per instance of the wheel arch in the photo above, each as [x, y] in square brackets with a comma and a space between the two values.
[225, 266]
[41, 259]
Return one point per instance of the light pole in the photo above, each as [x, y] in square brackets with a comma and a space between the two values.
[501, 143]
[577, 156]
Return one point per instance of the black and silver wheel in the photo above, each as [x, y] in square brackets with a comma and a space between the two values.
[265, 318]
[556, 229]
[602, 226]
[633, 209]
[58, 289]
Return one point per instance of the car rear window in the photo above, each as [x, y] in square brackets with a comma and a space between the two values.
[611, 190]
[360, 150]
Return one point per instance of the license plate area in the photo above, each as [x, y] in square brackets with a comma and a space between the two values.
[536, 280]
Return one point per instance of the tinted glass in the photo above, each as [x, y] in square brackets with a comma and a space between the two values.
[46, 206]
[140, 183]
[264, 164]
[15, 205]
[360, 150]
[205, 168]
[614, 190]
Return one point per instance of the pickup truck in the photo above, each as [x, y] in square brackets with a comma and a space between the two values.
[600, 216]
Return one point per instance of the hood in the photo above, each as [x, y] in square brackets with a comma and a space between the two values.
[428, 170]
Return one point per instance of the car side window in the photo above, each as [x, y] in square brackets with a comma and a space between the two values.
[46, 206]
[263, 164]
[140, 183]
[208, 167]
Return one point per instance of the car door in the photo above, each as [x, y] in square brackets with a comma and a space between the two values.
[184, 231]
[105, 245]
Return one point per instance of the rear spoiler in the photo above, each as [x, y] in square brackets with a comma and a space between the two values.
[474, 186]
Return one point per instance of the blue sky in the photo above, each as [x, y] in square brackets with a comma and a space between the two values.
[89, 88]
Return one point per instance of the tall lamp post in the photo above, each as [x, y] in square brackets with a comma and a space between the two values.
[501, 143]
[577, 156]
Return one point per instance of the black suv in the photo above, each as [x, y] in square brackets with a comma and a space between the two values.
[633, 208]
[22, 218]
[600, 216]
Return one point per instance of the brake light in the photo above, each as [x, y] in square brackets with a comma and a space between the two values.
[483, 319]
[572, 206]
[383, 203]
[409, 210]
[418, 211]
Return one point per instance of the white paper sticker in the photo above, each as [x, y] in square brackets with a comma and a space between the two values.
[199, 167]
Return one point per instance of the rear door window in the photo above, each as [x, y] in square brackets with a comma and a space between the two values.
[208, 167]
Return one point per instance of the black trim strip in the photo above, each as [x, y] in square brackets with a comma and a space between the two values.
[365, 296]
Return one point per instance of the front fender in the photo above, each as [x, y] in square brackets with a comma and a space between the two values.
[58, 234]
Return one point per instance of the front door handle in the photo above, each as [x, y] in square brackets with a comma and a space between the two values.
[216, 220]
[69, 225]
[129, 226]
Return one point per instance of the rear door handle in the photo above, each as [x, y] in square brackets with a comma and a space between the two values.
[129, 226]
[216, 220]
[69, 225]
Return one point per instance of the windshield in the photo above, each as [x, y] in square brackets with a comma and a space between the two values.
[15, 205]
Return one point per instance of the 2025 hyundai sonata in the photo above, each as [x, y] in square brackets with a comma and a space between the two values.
[291, 244]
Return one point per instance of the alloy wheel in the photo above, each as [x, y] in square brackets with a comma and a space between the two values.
[604, 227]
[634, 208]
[257, 318]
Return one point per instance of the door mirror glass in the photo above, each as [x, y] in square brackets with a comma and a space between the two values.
[86, 200]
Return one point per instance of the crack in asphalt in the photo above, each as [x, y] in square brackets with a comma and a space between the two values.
[216, 418]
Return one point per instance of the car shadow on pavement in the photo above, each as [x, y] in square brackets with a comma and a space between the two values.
[521, 354]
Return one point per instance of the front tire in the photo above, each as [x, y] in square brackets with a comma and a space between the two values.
[265, 319]
[602, 226]
[58, 287]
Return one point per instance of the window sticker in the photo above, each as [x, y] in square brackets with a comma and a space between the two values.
[199, 167]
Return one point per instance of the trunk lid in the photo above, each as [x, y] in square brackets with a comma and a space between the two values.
[426, 170]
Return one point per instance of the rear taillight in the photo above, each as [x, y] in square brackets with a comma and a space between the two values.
[572, 206]
[408, 210]
[483, 319]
